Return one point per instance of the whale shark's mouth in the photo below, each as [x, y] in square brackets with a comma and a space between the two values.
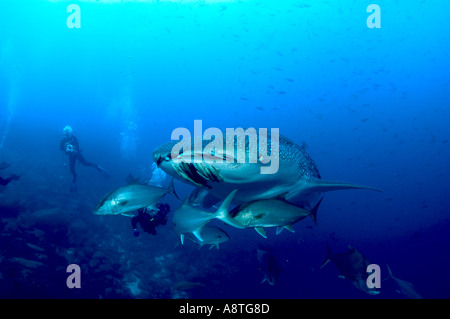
[159, 161]
[197, 173]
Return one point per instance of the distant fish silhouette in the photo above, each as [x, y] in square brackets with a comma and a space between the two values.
[404, 288]
[267, 264]
[352, 265]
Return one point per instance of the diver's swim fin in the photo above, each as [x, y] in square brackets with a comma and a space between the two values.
[102, 171]
[73, 187]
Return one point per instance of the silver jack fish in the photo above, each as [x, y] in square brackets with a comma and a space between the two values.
[211, 235]
[271, 213]
[132, 197]
[189, 219]
[297, 177]
[352, 265]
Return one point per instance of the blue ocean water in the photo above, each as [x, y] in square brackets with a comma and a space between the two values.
[371, 106]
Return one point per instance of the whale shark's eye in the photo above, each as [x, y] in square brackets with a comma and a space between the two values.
[161, 158]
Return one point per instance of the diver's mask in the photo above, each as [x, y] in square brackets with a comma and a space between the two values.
[69, 148]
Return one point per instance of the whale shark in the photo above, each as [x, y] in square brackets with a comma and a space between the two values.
[297, 179]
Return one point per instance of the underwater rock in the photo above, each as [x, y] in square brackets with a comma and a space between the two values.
[78, 225]
[180, 294]
[185, 285]
[133, 285]
[31, 264]
[6, 286]
[49, 214]
[35, 233]
[34, 247]
[27, 265]
[12, 210]
[10, 227]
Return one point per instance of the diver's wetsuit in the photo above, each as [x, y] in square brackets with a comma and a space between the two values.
[149, 221]
[74, 155]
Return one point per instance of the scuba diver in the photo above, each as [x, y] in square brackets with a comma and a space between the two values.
[5, 181]
[71, 147]
[149, 219]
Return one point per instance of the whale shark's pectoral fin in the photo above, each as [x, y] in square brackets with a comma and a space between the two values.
[306, 188]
